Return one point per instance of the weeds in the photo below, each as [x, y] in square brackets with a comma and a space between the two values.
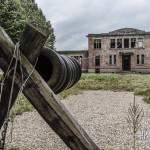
[134, 118]
[138, 83]
[21, 105]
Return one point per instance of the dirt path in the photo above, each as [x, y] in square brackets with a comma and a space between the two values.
[101, 113]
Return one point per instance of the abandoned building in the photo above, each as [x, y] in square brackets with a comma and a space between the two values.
[121, 50]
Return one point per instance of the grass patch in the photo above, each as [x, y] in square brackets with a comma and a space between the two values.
[138, 83]
[21, 105]
[72, 91]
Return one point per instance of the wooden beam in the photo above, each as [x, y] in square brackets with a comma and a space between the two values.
[46, 102]
[31, 43]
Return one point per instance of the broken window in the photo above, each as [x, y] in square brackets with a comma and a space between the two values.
[133, 42]
[97, 61]
[142, 59]
[112, 59]
[112, 43]
[138, 59]
[140, 42]
[126, 43]
[97, 43]
[119, 43]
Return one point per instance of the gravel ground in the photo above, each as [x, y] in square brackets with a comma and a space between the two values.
[101, 113]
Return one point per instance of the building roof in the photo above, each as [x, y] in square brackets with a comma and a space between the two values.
[121, 32]
[73, 51]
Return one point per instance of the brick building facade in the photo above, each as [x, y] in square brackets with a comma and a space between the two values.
[125, 49]
[121, 50]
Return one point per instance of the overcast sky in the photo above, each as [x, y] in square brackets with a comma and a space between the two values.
[74, 19]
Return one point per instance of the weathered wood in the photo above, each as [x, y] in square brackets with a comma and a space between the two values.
[31, 43]
[47, 104]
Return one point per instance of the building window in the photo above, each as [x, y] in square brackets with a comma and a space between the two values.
[133, 42]
[126, 43]
[112, 43]
[112, 59]
[119, 43]
[142, 59]
[138, 59]
[97, 61]
[97, 43]
[140, 42]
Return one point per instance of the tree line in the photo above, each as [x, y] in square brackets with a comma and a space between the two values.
[14, 14]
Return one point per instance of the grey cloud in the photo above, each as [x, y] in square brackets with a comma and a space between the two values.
[73, 20]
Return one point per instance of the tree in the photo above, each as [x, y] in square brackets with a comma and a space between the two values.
[11, 19]
[34, 15]
[15, 14]
[51, 39]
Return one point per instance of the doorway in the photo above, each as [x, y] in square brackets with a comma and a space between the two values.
[126, 62]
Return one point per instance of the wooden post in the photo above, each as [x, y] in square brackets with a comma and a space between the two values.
[46, 103]
[31, 43]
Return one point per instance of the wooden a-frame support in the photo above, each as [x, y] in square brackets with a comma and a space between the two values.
[38, 92]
